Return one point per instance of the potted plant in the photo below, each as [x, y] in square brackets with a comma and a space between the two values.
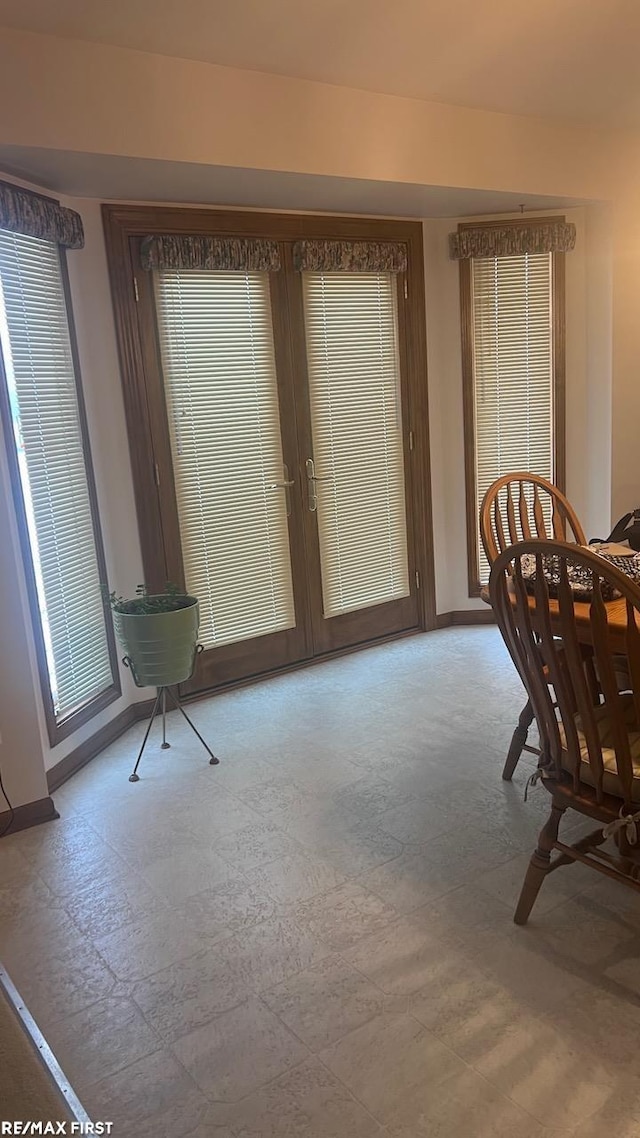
[159, 633]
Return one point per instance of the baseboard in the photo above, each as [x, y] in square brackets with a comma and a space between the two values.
[465, 617]
[92, 746]
[31, 814]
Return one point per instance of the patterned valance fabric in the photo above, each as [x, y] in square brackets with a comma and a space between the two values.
[512, 240]
[350, 257]
[35, 216]
[241, 254]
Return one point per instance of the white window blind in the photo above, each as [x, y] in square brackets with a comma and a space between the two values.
[512, 307]
[354, 381]
[216, 342]
[34, 336]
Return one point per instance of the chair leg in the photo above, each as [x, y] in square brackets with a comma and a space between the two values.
[539, 865]
[518, 741]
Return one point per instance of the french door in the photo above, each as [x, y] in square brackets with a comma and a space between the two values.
[278, 415]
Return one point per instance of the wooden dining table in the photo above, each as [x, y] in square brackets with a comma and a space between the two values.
[616, 619]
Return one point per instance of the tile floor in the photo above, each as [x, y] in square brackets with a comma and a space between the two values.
[315, 938]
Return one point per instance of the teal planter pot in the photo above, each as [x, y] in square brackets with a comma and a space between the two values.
[160, 647]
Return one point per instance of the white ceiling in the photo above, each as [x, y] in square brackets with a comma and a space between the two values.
[575, 59]
[140, 179]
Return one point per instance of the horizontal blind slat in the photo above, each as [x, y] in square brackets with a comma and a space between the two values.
[354, 381]
[512, 317]
[42, 393]
[220, 385]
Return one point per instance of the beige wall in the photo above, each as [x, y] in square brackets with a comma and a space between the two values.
[73, 95]
[69, 95]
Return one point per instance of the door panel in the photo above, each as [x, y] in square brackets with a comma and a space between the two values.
[231, 483]
[356, 468]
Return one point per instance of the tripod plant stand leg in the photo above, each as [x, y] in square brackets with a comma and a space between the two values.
[135, 777]
[213, 761]
[164, 743]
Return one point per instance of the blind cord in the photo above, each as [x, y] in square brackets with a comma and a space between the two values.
[12, 812]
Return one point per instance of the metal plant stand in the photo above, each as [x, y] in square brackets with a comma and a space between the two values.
[161, 704]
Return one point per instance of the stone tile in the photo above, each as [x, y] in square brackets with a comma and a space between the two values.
[59, 975]
[189, 993]
[347, 843]
[179, 876]
[466, 1009]
[191, 1118]
[66, 869]
[26, 894]
[543, 1071]
[390, 1062]
[238, 777]
[270, 952]
[46, 843]
[581, 931]
[373, 797]
[148, 1098]
[105, 906]
[230, 907]
[308, 1102]
[100, 1041]
[295, 878]
[617, 900]
[420, 819]
[236, 1053]
[149, 945]
[505, 883]
[277, 797]
[463, 1106]
[15, 868]
[255, 845]
[604, 1025]
[619, 1115]
[405, 882]
[404, 956]
[215, 814]
[534, 976]
[344, 916]
[469, 914]
[325, 1002]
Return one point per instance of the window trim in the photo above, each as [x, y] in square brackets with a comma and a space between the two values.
[468, 402]
[59, 730]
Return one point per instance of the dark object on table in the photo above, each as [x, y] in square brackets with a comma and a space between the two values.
[626, 529]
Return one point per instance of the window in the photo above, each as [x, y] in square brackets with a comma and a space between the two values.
[513, 374]
[46, 440]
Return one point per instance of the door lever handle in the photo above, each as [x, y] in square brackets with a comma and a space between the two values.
[312, 478]
[284, 485]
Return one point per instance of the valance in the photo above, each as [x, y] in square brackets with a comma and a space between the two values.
[512, 240]
[350, 257]
[33, 215]
[236, 254]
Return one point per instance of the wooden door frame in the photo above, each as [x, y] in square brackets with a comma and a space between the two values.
[124, 223]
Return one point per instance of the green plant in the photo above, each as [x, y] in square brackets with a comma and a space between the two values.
[145, 603]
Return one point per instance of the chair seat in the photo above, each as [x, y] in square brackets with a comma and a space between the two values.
[611, 783]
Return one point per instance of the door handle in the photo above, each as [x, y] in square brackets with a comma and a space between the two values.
[284, 485]
[312, 479]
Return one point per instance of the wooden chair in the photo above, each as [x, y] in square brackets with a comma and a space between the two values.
[590, 752]
[517, 507]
